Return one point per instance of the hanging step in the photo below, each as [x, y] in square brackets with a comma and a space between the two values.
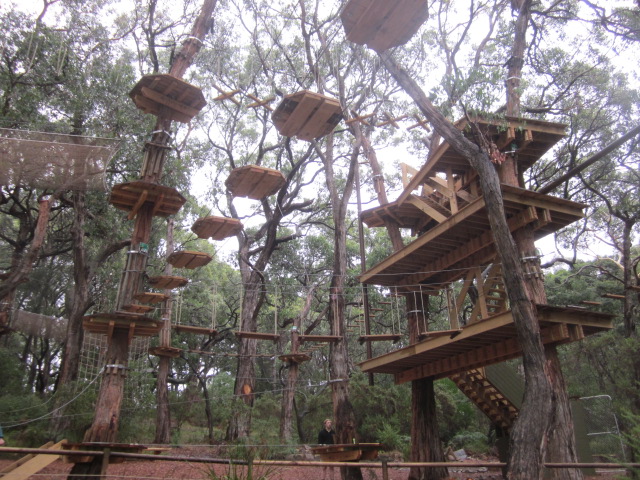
[217, 228]
[132, 196]
[254, 182]
[307, 115]
[379, 338]
[258, 335]
[381, 24]
[189, 259]
[150, 297]
[319, 338]
[107, 323]
[167, 282]
[194, 329]
[168, 97]
[171, 352]
[296, 358]
[136, 308]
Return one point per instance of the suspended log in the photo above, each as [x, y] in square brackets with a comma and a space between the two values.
[254, 182]
[307, 115]
[217, 228]
[189, 259]
[132, 196]
[167, 96]
[381, 24]
[167, 281]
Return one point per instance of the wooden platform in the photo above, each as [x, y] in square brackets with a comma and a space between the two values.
[464, 239]
[379, 338]
[29, 465]
[258, 335]
[484, 343]
[193, 329]
[295, 358]
[254, 182]
[347, 452]
[171, 352]
[217, 228]
[136, 308]
[150, 297]
[107, 323]
[189, 259]
[132, 196]
[319, 338]
[167, 96]
[381, 24]
[307, 115]
[532, 139]
[167, 282]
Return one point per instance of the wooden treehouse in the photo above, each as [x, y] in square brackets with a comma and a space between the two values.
[381, 24]
[443, 207]
[307, 115]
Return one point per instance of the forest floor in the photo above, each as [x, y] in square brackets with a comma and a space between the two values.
[165, 470]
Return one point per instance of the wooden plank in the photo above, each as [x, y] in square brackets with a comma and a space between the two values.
[174, 105]
[258, 335]
[22, 460]
[319, 338]
[426, 208]
[34, 465]
[193, 329]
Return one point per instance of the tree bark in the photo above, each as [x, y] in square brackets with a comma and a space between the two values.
[528, 438]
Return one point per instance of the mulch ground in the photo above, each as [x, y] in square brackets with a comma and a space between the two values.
[161, 470]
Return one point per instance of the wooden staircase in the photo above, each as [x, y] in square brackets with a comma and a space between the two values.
[476, 385]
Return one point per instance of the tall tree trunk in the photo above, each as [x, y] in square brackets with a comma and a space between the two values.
[425, 437]
[343, 413]
[163, 413]
[528, 438]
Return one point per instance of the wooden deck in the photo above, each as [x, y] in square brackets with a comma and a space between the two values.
[307, 115]
[217, 228]
[132, 196]
[169, 96]
[254, 181]
[464, 239]
[484, 343]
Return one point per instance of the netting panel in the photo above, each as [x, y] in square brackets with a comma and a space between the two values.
[54, 161]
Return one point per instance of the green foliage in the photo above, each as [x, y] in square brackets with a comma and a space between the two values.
[456, 413]
[393, 439]
[474, 443]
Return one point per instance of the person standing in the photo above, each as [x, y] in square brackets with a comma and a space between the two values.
[326, 436]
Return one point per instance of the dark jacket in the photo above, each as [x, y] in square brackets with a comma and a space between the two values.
[326, 437]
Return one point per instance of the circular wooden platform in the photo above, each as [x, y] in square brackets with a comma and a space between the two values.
[167, 96]
[254, 182]
[189, 259]
[295, 357]
[217, 228]
[132, 196]
[150, 297]
[307, 115]
[136, 308]
[167, 281]
[171, 352]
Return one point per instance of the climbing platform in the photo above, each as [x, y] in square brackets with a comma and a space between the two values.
[319, 338]
[132, 196]
[254, 181]
[381, 24]
[137, 308]
[483, 343]
[296, 358]
[150, 297]
[167, 282]
[171, 352]
[193, 329]
[189, 259]
[167, 96]
[107, 323]
[379, 338]
[257, 335]
[464, 238]
[307, 115]
[217, 228]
